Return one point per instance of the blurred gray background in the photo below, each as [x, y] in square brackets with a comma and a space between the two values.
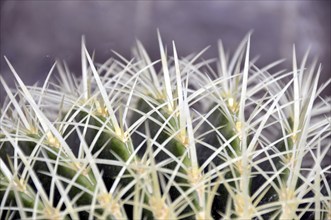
[36, 33]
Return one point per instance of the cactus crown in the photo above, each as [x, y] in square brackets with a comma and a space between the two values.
[128, 141]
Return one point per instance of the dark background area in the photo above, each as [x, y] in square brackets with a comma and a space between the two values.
[35, 33]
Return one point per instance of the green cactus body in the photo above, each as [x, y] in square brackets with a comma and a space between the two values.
[124, 142]
[176, 147]
[25, 193]
[227, 129]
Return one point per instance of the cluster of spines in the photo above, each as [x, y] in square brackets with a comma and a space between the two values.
[127, 142]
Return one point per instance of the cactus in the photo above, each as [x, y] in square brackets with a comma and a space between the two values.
[129, 141]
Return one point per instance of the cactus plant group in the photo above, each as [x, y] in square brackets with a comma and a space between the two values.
[175, 138]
